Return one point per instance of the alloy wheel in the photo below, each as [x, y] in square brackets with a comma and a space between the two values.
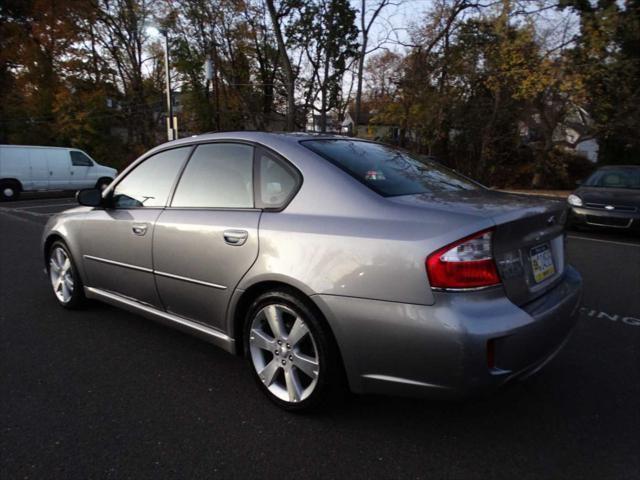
[61, 274]
[284, 353]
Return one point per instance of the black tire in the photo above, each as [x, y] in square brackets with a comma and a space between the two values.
[9, 190]
[103, 183]
[77, 299]
[330, 379]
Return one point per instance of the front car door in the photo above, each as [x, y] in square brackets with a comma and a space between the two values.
[117, 240]
[81, 166]
[207, 239]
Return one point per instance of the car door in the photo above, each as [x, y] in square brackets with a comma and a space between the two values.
[81, 166]
[207, 239]
[59, 165]
[117, 240]
[38, 168]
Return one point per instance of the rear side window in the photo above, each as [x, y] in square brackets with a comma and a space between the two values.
[218, 175]
[278, 181]
[79, 159]
[387, 170]
[149, 184]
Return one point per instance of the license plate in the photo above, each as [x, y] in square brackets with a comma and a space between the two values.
[541, 262]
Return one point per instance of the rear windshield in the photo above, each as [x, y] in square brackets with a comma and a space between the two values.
[387, 170]
[615, 178]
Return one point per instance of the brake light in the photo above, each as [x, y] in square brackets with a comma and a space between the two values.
[467, 263]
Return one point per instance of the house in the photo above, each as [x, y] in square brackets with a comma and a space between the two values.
[368, 128]
[572, 134]
[314, 122]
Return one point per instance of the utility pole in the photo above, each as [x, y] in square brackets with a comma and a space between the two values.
[172, 128]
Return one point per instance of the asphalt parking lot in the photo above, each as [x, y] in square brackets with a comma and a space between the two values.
[102, 393]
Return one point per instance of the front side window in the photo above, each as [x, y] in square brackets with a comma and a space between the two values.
[278, 181]
[387, 170]
[79, 159]
[218, 175]
[149, 184]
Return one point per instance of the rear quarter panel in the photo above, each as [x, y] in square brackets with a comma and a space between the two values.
[337, 237]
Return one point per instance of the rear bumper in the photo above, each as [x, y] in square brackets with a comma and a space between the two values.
[442, 350]
[594, 218]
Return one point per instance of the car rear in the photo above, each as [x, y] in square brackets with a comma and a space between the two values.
[515, 308]
[504, 298]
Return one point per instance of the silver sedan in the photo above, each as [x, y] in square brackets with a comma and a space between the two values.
[325, 261]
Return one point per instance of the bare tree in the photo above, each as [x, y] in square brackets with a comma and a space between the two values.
[365, 29]
[276, 16]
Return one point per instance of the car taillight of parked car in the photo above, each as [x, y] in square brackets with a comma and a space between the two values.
[467, 263]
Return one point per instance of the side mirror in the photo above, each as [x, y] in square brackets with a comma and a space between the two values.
[89, 197]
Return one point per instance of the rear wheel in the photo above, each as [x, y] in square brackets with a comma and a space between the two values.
[292, 354]
[9, 190]
[63, 275]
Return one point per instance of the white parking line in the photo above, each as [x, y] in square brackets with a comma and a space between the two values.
[577, 237]
[17, 210]
[613, 317]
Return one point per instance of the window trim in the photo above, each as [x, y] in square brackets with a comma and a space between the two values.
[193, 145]
[287, 165]
[135, 165]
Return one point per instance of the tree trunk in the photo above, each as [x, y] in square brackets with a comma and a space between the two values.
[363, 53]
[288, 69]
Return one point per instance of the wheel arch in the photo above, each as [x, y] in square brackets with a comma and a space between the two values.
[103, 178]
[54, 236]
[12, 180]
[244, 298]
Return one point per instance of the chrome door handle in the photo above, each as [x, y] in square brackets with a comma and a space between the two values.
[235, 237]
[139, 228]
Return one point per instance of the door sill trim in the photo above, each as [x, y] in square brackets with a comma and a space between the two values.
[209, 334]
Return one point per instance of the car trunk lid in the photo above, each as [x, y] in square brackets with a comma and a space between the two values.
[528, 242]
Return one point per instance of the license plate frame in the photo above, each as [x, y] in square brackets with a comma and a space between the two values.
[542, 264]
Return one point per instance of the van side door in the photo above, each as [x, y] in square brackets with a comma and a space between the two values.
[38, 170]
[59, 165]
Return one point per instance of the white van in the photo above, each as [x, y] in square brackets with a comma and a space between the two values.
[25, 168]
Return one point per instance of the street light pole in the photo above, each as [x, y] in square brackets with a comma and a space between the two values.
[172, 131]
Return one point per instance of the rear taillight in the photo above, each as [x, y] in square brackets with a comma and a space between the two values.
[467, 263]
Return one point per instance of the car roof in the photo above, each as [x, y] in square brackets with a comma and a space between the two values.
[257, 136]
[40, 146]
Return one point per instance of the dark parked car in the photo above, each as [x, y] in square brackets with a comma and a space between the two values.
[609, 198]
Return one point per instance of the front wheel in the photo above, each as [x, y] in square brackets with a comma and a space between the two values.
[103, 183]
[64, 278]
[291, 351]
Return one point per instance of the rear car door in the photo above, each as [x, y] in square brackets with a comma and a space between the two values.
[117, 240]
[207, 239]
